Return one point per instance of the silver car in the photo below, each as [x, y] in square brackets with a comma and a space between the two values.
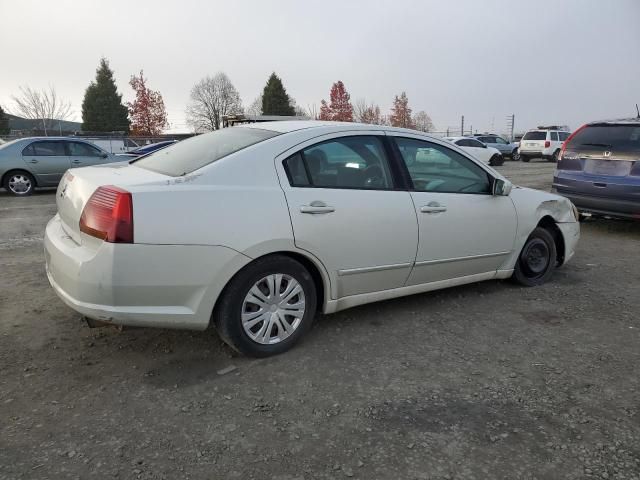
[506, 148]
[33, 162]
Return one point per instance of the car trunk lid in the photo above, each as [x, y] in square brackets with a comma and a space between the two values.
[77, 186]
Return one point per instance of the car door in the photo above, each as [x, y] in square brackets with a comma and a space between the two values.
[479, 150]
[463, 229]
[502, 145]
[47, 160]
[83, 154]
[347, 209]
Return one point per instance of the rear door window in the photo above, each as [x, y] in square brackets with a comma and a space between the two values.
[346, 162]
[474, 143]
[45, 149]
[535, 135]
[563, 136]
[554, 136]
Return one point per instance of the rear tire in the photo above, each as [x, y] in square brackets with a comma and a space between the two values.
[537, 260]
[554, 157]
[19, 183]
[496, 160]
[254, 314]
[524, 158]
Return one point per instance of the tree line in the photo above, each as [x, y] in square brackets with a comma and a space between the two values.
[212, 98]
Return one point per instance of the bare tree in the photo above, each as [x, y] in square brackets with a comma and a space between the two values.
[211, 99]
[360, 106]
[422, 121]
[42, 105]
[256, 107]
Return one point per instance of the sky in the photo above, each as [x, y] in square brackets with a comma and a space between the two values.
[546, 61]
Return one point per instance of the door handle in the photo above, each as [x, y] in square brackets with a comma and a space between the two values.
[433, 207]
[76, 161]
[316, 207]
[33, 160]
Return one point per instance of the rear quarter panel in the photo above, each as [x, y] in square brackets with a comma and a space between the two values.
[236, 202]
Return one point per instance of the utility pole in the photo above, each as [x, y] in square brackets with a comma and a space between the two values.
[462, 126]
[511, 120]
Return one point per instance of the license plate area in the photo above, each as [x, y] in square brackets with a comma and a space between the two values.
[614, 168]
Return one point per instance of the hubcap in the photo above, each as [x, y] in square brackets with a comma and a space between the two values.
[19, 184]
[273, 309]
[535, 258]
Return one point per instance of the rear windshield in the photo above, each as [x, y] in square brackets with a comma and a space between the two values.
[196, 152]
[535, 136]
[612, 137]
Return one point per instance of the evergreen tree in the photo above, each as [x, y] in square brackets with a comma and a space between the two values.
[4, 123]
[275, 100]
[102, 108]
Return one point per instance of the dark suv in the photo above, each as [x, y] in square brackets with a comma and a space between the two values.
[599, 168]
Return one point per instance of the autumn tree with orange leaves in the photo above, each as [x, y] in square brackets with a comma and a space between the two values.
[147, 113]
[401, 113]
[339, 109]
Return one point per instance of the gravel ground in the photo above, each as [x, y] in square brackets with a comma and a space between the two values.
[482, 381]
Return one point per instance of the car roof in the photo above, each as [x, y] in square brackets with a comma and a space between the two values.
[453, 139]
[619, 121]
[55, 138]
[287, 126]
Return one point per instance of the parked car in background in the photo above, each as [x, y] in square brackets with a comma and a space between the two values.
[599, 168]
[482, 152]
[290, 213]
[506, 148]
[33, 162]
[146, 149]
[542, 142]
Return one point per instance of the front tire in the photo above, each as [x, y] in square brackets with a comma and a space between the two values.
[496, 161]
[19, 183]
[537, 260]
[266, 307]
[515, 156]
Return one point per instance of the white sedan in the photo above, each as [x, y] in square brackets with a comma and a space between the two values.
[489, 155]
[256, 228]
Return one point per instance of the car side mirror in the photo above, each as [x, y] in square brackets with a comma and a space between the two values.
[501, 187]
[104, 155]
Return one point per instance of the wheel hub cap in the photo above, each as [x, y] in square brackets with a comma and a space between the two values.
[19, 184]
[273, 309]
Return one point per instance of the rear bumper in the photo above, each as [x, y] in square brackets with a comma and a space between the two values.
[611, 198]
[168, 286]
[602, 206]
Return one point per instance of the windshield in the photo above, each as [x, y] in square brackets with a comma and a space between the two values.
[535, 135]
[611, 137]
[196, 152]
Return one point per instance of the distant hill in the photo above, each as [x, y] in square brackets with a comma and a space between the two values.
[25, 124]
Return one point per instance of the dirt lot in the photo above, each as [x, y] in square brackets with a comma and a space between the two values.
[483, 381]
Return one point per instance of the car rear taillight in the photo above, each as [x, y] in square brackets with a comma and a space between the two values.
[547, 144]
[108, 215]
[566, 142]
